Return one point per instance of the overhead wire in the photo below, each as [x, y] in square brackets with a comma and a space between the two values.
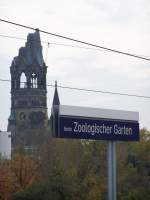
[90, 90]
[59, 44]
[78, 41]
[12, 37]
[54, 43]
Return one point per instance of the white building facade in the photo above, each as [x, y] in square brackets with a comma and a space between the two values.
[5, 144]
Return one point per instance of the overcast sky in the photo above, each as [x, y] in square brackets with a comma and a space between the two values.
[121, 25]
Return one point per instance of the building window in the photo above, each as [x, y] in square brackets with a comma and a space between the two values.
[33, 80]
[23, 80]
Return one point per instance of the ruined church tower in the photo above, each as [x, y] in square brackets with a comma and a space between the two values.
[28, 120]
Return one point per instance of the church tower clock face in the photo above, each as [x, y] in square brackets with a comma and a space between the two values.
[28, 91]
[22, 116]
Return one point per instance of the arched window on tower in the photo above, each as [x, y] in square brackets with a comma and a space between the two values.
[23, 80]
[33, 80]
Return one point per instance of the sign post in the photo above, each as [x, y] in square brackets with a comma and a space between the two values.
[96, 124]
[111, 167]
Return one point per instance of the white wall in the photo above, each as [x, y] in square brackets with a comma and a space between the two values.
[5, 144]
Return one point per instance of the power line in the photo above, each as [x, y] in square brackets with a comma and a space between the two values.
[90, 90]
[104, 92]
[12, 37]
[75, 46]
[61, 44]
[53, 43]
[78, 41]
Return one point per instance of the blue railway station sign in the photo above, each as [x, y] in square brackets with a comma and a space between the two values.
[96, 124]
[97, 129]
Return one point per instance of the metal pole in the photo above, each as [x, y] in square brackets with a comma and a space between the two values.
[111, 170]
[114, 170]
